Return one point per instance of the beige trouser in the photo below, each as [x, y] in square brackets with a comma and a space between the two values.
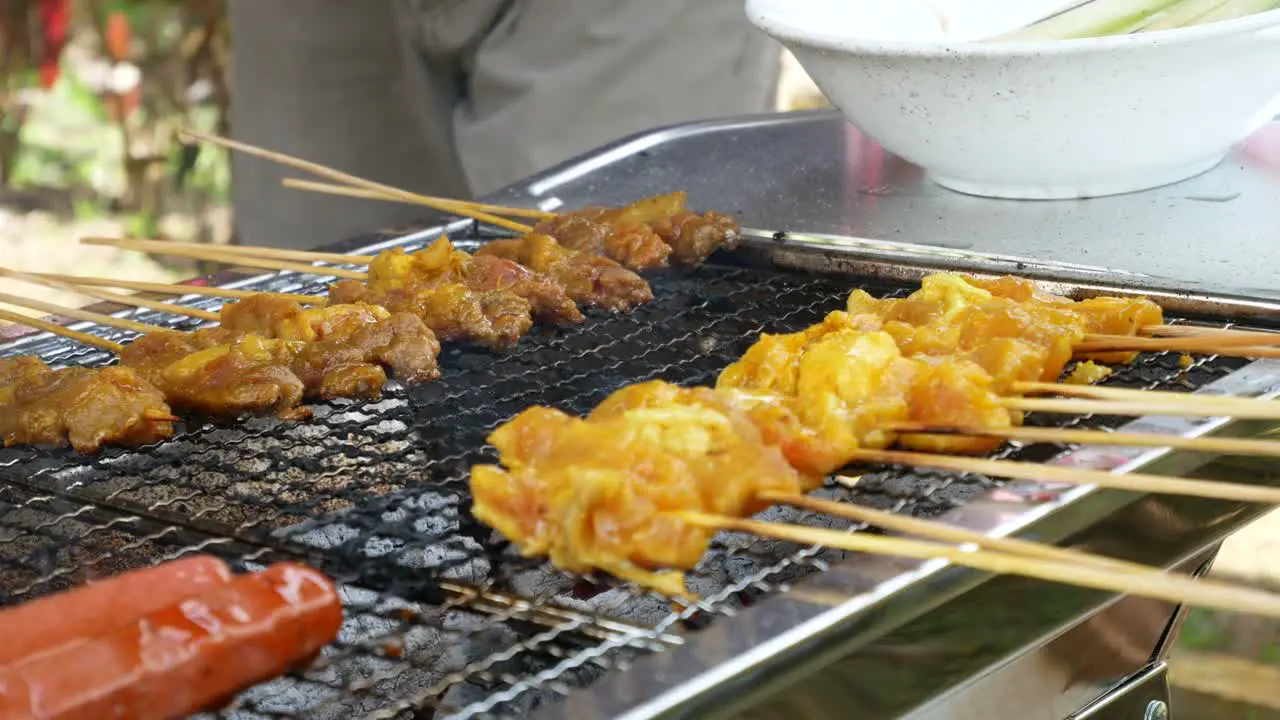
[462, 97]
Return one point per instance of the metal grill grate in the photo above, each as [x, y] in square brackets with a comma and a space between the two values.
[376, 494]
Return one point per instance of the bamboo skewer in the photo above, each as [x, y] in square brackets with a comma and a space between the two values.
[177, 288]
[1136, 408]
[119, 298]
[1225, 446]
[1135, 482]
[1151, 584]
[363, 194]
[948, 533]
[341, 177]
[1200, 330]
[305, 256]
[229, 258]
[78, 314]
[1100, 392]
[1192, 343]
[1240, 349]
[52, 327]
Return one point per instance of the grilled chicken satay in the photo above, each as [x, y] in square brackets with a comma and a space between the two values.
[647, 234]
[603, 492]
[600, 493]
[589, 280]
[87, 408]
[953, 313]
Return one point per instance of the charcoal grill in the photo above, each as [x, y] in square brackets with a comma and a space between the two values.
[445, 620]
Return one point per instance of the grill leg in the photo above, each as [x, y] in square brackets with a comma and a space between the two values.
[1144, 696]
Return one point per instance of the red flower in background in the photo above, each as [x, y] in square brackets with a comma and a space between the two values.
[55, 17]
[118, 38]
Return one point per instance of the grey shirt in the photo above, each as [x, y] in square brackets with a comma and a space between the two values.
[462, 97]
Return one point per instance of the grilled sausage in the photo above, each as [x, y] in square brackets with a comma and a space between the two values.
[101, 605]
[185, 658]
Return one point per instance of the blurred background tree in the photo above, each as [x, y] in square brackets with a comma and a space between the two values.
[93, 94]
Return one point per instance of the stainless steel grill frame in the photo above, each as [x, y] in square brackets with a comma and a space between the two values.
[444, 621]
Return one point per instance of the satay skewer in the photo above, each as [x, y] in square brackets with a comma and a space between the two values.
[51, 327]
[945, 532]
[1201, 330]
[1191, 407]
[1239, 344]
[1227, 403]
[1224, 446]
[1152, 583]
[114, 297]
[1016, 470]
[342, 177]
[251, 251]
[365, 194]
[222, 256]
[179, 289]
[1233, 446]
[78, 314]
[1189, 343]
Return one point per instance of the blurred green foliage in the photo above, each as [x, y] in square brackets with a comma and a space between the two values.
[103, 152]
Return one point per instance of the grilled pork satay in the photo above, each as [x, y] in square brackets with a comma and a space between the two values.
[645, 234]
[435, 285]
[248, 374]
[441, 263]
[693, 237]
[588, 279]
[354, 341]
[636, 246]
[452, 311]
[84, 407]
[486, 300]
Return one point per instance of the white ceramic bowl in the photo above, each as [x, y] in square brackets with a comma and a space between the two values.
[1033, 120]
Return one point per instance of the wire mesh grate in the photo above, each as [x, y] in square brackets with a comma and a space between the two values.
[444, 619]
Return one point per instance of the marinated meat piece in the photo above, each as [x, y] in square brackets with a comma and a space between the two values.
[84, 407]
[631, 235]
[605, 492]
[693, 238]
[492, 318]
[442, 264]
[635, 246]
[548, 301]
[149, 355]
[347, 358]
[587, 279]
[251, 374]
[265, 315]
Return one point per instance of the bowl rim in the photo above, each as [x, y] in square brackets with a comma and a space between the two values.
[790, 33]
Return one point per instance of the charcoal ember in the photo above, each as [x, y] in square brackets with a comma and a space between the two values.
[623, 603]
[543, 581]
[458, 560]
[467, 648]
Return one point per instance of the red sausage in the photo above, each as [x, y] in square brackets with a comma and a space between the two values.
[101, 605]
[185, 658]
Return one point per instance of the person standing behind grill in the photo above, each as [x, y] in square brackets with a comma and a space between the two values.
[459, 98]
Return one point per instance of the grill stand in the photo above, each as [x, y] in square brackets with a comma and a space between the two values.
[888, 637]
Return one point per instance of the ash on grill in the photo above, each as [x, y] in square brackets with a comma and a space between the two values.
[375, 494]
